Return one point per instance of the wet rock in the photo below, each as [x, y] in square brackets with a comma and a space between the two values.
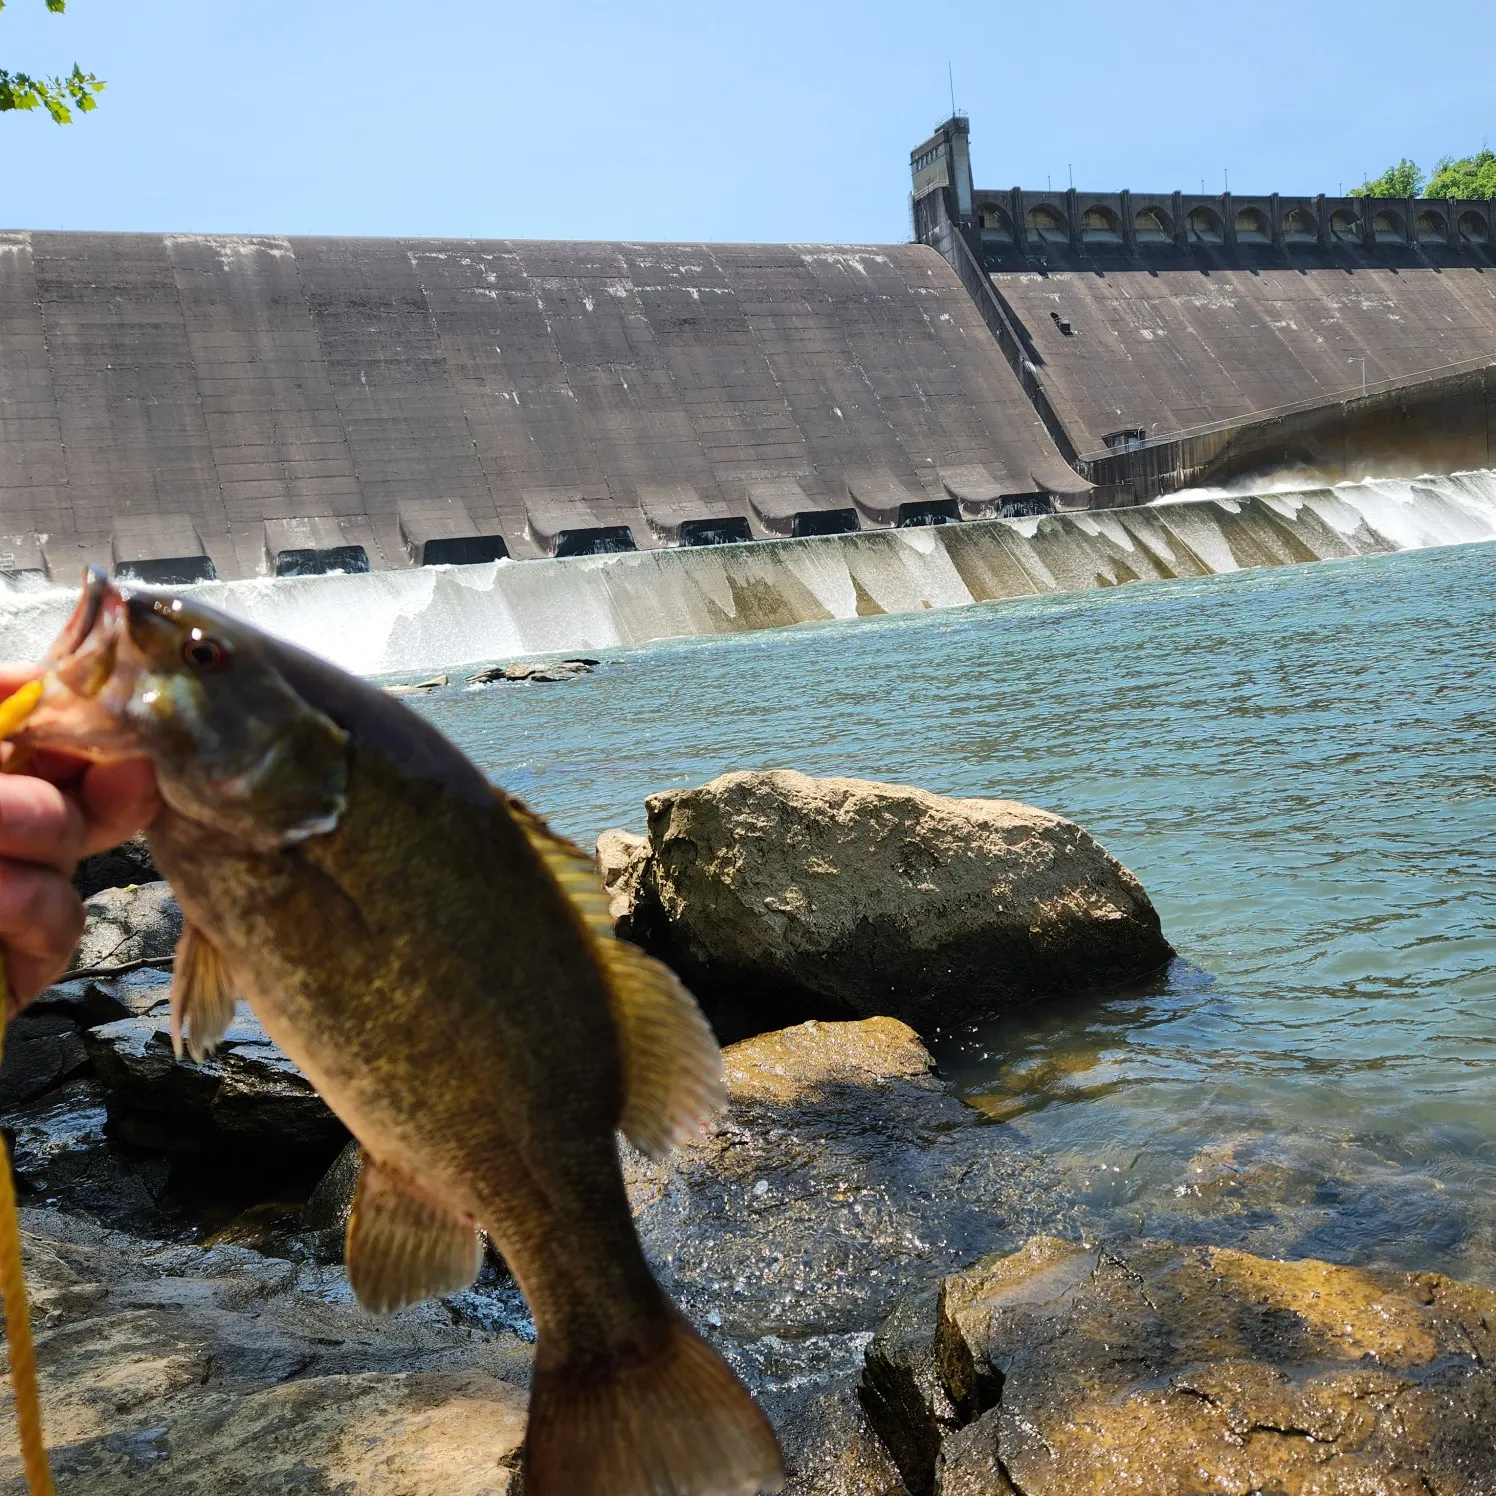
[416, 687]
[129, 863]
[778, 897]
[248, 1095]
[331, 1202]
[620, 861]
[41, 1051]
[520, 672]
[1147, 1366]
[128, 924]
[89, 1002]
[175, 1368]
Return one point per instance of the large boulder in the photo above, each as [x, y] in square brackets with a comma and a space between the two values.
[128, 924]
[1146, 1366]
[778, 897]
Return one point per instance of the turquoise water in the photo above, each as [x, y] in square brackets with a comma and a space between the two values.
[1300, 765]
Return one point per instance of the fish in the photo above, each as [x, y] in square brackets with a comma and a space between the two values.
[441, 966]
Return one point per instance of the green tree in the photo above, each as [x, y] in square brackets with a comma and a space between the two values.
[1470, 176]
[1402, 180]
[58, 96]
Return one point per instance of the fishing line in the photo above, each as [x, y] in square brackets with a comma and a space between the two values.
[18, 1340]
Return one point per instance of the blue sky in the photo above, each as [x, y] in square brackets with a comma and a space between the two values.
[775, 120]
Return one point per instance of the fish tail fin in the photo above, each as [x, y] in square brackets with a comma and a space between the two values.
[674, 1423]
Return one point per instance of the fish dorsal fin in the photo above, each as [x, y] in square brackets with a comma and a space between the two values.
[403, 1246]
[202, 996]
[672, 1068]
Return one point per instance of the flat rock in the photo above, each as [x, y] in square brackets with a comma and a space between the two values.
[203, 1371]
[1068, 1370]
[128, 924]
[780, 897]
[524, 672]
[249, 1093]
[416, 687]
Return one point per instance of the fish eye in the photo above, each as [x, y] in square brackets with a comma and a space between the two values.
[204, 653]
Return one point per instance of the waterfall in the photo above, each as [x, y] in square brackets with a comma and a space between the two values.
[431, 618]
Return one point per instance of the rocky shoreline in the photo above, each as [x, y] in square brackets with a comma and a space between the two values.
[911, 1295]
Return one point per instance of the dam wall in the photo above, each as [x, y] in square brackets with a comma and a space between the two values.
[176, 407]
[445, 617]
[1245, 329]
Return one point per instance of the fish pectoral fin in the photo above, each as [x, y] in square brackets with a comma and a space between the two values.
[672, 1068]
[404, 1246]
[202, 995]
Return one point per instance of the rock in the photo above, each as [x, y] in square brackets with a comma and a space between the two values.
[842, 1172]
[124, 865]
[778, 896]
[199, 1372]
[41, 1051]
[416, 688]
[620, 861]
[248, 1096]
[128, 924]
[555, 670]
[1150, 1367]
[331, 1203]
[91, 1001]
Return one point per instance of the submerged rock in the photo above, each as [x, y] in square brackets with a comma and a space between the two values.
[128, 924]
[778, 896]
[416, 687]
[1150, 1367]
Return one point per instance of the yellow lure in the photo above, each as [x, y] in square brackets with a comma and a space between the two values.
[14, 711]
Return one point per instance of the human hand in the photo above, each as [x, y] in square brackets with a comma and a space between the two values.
[62, 808]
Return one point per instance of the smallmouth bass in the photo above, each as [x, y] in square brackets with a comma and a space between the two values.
[441, 966]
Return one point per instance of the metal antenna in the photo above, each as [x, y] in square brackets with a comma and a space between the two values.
[950, 73]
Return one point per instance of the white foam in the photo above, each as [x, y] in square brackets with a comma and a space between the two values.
[450, 616]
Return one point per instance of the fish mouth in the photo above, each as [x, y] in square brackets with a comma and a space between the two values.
[88, 675]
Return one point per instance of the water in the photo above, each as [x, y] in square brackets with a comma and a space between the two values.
[1299, 763]
[445, 616]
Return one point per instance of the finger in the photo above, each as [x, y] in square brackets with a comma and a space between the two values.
[41, 922]
[118, 800]
[39, 823]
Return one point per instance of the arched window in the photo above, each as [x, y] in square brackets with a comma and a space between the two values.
[1252, 227]
[1432, 228]
[1205, 227]
[1099, 225]
[1300, 227]
[1387, 227]
[1152, 226]
[1475, 228]
[1047, 225]
[1345, 225]
[995, 223]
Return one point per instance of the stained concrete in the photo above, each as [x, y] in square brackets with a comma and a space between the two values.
[188, 403]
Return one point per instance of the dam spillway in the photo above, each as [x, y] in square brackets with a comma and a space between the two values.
[441, 617]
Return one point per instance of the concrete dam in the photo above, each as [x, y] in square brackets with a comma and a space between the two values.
[551, 446]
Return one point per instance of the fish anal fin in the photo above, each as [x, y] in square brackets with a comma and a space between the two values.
[672, 1068]
[403, 1246]
[202, 995]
